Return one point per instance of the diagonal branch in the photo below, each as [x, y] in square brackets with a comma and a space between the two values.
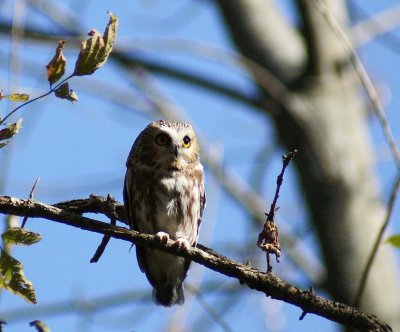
[264, 282]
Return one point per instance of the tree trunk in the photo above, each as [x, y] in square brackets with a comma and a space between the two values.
[335, 161]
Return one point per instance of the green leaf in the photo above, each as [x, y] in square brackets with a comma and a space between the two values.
[56, 66]
[8, 132]
[64, 92]
[394, 240]
[40, 326]
[20, 236]
[12, 278]
[95, 50]
[20, 97]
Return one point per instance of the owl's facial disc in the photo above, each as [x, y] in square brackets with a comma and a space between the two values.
[175, 148]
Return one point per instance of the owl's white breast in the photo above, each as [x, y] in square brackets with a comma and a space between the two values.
[176, 182]
[178, 206]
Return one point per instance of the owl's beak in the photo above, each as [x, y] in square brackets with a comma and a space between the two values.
[174, 150]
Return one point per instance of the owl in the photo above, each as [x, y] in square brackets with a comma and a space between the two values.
[164, 196]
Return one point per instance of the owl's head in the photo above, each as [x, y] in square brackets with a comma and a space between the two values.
[166, 145]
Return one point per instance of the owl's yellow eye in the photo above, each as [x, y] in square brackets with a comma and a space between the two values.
[186, 142]
[162, 139]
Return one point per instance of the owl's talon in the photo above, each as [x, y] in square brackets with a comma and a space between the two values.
[162, 237]
[182, 243]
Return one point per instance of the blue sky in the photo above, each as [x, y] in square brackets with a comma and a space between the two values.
[79, 149]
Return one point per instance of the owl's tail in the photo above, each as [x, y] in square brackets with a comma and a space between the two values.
[168, 295]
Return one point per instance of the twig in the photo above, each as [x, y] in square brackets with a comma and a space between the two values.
[100, 303]
[374, 251]
[30, 198]
[363, 76]
[268, 239]
[267, 283]
[78, 304]
[209, 309]
[106, 238]
[304, 313]
[381, 24]
[37, 98]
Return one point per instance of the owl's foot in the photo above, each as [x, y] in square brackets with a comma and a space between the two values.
[182, 243]
[162, 237]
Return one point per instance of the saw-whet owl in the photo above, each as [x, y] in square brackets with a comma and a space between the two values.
[164, 195]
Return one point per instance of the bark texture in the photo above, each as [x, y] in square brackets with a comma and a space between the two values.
[335, 163]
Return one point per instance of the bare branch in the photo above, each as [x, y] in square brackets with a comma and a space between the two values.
[264, 282]
[377, 26]
[364, 78]
[378, 240]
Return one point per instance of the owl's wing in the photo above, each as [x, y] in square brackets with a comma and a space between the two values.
[133, 224]
[202, 203]
[202, 206]
[127, 199]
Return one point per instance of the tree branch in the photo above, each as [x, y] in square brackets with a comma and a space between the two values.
[264, 282]
[132, 59]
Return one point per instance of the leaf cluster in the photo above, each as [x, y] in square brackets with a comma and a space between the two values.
[93, 54]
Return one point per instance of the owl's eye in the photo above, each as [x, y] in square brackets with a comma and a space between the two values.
[162, 139]
[186, 142]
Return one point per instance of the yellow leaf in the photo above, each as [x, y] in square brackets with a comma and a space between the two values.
[21, 97]
[95, 50]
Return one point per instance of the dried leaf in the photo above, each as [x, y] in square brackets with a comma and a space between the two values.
[64, 92]
[56, 66]
[8, 132]
[12, 278]
[95, 50]
[40, 326]
[394, 240]
[20, 236]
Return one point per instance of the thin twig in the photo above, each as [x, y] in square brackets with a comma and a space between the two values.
[37, 98]
[209, 309]
[378, 240]
[363, 76]
[268, 239]
[106, 238]
[286, 159]
[378, 25]
[102, 246]
[79, 304]
[30, 198]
